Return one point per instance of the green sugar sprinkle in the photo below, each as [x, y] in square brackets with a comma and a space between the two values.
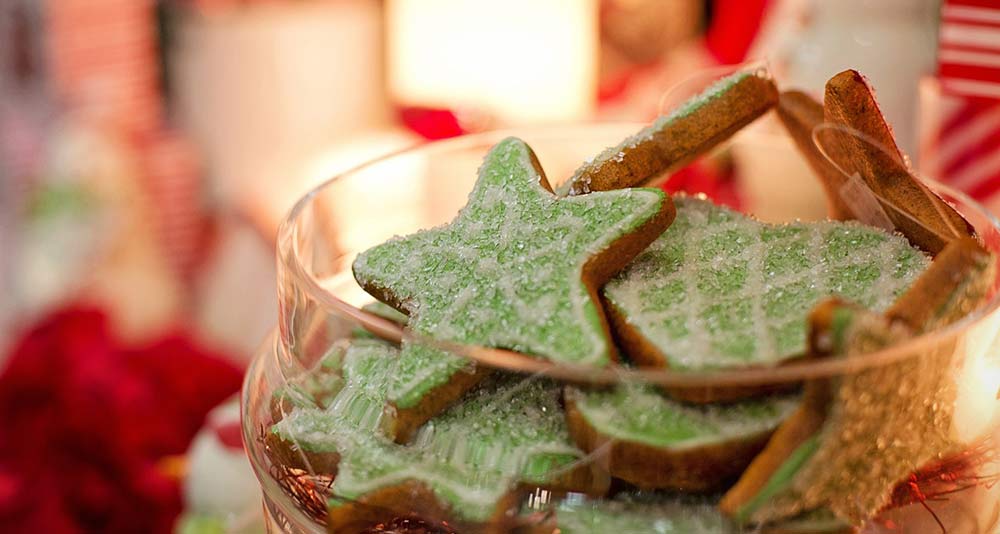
[637, 413]
[638, 515]
[382, 310]
[780, 478]
[507, 430]
[719, 289]
[505, 273]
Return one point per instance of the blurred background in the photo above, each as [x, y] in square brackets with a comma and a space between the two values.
[149, 150]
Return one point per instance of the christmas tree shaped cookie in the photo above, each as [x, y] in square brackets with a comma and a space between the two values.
[518, 268]
[720, 290]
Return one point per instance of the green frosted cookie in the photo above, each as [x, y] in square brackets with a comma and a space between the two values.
[719, 289]
[859, 434]
[384, 311]
[654, 442]
[515, 269]
[466, 460]
[314, 389]
[642, 514]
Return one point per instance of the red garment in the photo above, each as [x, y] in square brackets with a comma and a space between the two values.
[87, 422]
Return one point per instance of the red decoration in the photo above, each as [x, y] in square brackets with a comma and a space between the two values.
[939, 479]
[733, 28]
[88, 425]
[962, 151]
[709, 177]
[431, 123]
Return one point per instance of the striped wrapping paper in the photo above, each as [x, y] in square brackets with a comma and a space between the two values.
[173, 181]
[104, 57]
[103, 53]
[964, 150]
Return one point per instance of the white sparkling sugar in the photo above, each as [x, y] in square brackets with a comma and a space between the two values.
[509, 430]
[719, 289]
[507, 272]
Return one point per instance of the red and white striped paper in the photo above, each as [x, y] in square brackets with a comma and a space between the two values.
[965, 152]
[173, 175]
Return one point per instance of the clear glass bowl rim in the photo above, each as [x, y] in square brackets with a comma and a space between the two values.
[503, 359]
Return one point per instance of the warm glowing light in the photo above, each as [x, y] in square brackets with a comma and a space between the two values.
[977, 406]
[361, 148]
[269, 200]
[522, 61]
[393, 188]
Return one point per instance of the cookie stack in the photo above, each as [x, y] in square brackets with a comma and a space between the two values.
[605, 274]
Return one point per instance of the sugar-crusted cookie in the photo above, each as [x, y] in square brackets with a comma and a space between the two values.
[464, 467]
[656, 443]
[832, 454]
[646, 513]
[675, 139]
[827, 456]
[915, 210]
[314, 389]
[721, 290]
[640, 514]
[518, 268]
[383, 310]
[954, 285]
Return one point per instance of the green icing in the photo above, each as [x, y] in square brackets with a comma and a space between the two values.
[507, 430]
[384, 311]
[639, 414]
[316, 387]
[780, 478]
[720, 289]
[713, 92]
[643, 516]
[505, 273]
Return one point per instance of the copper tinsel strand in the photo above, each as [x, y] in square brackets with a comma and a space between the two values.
[954, 474]
[311, 493]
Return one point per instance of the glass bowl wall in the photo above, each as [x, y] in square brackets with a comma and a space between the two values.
[425, 186]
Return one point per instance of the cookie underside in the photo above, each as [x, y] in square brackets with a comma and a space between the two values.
[639, 414]
[657, 443]
[640, 515]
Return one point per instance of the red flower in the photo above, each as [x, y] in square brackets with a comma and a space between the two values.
[87, 424]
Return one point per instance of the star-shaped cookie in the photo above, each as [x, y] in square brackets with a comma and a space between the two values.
[518, 268]
[466, 467]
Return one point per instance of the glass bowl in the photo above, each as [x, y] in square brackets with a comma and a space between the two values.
[320, 305]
